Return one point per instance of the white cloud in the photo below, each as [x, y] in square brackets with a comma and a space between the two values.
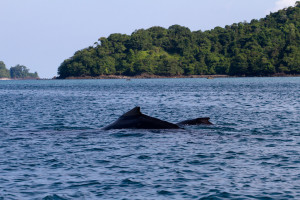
[280, 4]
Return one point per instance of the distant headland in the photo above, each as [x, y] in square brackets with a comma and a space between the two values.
[16, 73]
[266, 47]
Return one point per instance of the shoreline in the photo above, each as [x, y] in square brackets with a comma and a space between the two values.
[16, 79]
[147, 76]
[143, 76]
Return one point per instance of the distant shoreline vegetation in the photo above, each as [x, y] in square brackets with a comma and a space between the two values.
[16, 72]
[151, 76]
[264, 47]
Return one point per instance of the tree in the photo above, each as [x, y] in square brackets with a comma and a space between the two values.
[180, 39]
[169, 66]
[140, 40]
[21, 71]
[291, 59]
[4, 73]
[239, 65]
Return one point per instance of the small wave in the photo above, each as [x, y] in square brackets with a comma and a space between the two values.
[195, 162]
[144, 157]
[128, 172]
[54, 163]
[201, 155]
[126, 133]
[164, 192]
[3, 132]
[54, 197]
[95, 149]
[102, 161]
[83, 184]
[221, 195]
[127, 182]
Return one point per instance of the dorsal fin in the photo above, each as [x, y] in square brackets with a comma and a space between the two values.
[133, 112]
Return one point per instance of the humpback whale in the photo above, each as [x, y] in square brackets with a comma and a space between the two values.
[134, 119]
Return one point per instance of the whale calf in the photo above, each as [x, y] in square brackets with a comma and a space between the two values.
[134, 119]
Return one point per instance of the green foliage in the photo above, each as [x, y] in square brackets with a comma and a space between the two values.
[20, 71]
[259, 48]
[4, 73]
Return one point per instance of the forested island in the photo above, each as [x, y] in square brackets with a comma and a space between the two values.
[16, 72]
[263, 47]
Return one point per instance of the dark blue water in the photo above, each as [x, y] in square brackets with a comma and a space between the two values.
[52, 145]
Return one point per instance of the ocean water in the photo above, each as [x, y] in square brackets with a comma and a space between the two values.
[52, 145]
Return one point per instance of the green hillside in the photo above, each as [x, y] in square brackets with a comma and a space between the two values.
[259, 48]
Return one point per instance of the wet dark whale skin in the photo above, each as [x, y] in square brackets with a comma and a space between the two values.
[134, 119]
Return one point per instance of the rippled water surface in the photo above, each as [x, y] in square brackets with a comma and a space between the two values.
[52, 145]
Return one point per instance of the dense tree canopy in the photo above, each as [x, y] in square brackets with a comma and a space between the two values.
[4, 73]
[18, 72]
[259, 48]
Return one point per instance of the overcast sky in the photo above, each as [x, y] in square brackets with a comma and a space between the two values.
[41, 34]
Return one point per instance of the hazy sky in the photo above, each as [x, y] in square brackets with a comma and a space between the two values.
[40, 34]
